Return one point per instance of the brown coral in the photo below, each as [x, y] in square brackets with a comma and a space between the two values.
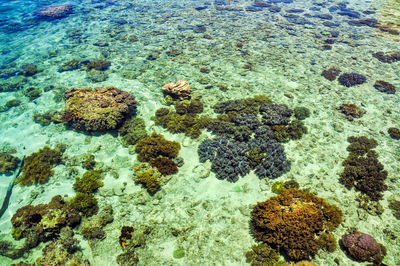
[292, 222]
[156, 145]
[180, 89]
[99, 109]
[164, 165]
[350, 109]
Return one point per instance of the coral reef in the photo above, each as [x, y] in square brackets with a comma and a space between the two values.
[164, 165]
[93, 228]
[8, 163]
[37, 167]
[70, 65]
[242, 106]
[56, 11]
[98, 64]
[63, 251]
[132, 130]
[263, 255]
[275, 114]
[351, 79]
[384, 86]
[292, 222]
[88, 161]
[331, 73]
[29, 70]
[148, 176]
[43, 222]
[363, 247]
[132, 237]
[394, 132]
[85, 203]
[99, 109]
[156, 145]
[362, 169]
[10, 104]
[178, 90]
[32, 93]
[352, 110]
[301, 113]
[89, 182]
[389, 57]
[208, 148]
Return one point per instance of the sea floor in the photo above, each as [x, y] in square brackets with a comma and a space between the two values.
[279, 51]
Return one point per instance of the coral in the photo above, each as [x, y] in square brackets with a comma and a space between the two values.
[208, 148]
[29, 70]
[263, 255]
[242, 106]
[331, 73]
[301, 113]
[132, 237]
[131, 125]
[86, 203]
[62, 251]
[194, 106]
[394, 205]
[148, 176]
[221, 128]
[350, 109]
[277, 187]
[292, 222]
[164, 165]
[100, 65]
[89, 182]
[384, 86]
[389, 57]
[16, 233]
[362, 170]
[56, 11]
[37, 167]
[32, 93]
[394, 132]
[93, 227]
[372, 207]
[178, 90]
[8, 163]
[42, 119]
[231, 161]
[242, 133]
[70, 65]
[255, 156]
[363, 247]
[99, 109]
[275, 114]
[44, 220]
[156, 145]
[88, 161]
[13, 103]
[351, 79]
[291, 184]
[327, 241]
[296, 129]
[7, 250]
[249, 120]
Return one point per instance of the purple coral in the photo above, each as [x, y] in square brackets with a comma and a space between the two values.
[208, 148]
[351, 79]
[275, 114]
[363, 247]
[249, 120]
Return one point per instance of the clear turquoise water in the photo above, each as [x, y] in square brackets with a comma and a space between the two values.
[279, 50]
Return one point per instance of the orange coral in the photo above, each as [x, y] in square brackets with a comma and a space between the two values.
[292, 222]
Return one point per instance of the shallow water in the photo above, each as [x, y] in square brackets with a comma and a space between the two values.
[225, 50]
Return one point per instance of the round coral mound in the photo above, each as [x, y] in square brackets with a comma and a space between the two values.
[294, 221]
[99, 109]
[363, 247]
[351, 79]
[57, 11]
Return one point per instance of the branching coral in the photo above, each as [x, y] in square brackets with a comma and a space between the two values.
[99, 109]
[148, 176]
[89, 182]
[351, 79]
[362, 168]
[37, 167]
[8, 163]
[164, 165]
[156, 145]
[132, 130]
[292, 222]
[85, 203]
[263, 254]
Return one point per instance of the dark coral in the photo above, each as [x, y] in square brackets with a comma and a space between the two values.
[89, 182]
[132, 130]
[208, 148]
[394, 132]
[98, 64]
[148, 176]
[331, 73]
[249, 120]
[362, 169]
[8, 163]
[156, 145]
[263, 255]
[351, 79]
[294, 130]
[37, 167]
[292, 222]
[45, 220]
[99, 109]
[389, 57]
[164, 165]
[384, 87]
[86, 203]
[363, 247]
[29, 70]
[352, 110]
[394, 205]
[243, 106]
[275, 114]
[301, 112]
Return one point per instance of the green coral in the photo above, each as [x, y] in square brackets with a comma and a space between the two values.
[16, 233]
[255, 157]
[294, 130]
[42, 119]
[85, 203]
[156, 145]
[32, 93]
[132, 130]
[263, 255]
[301, 113]
[148, 176]
[37, 167]
[89, 182]
[247, 106]
[88, 161]
[277, 187]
